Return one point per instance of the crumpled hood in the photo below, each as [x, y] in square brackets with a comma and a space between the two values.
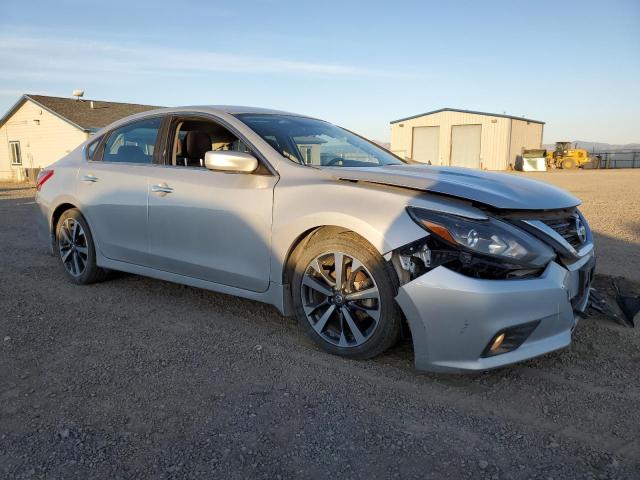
[498, 190]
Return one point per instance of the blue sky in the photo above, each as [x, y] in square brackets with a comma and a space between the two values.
[361, 64]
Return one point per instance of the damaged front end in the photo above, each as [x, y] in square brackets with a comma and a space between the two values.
[479, 294]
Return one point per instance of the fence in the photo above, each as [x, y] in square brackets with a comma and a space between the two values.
[617, 159]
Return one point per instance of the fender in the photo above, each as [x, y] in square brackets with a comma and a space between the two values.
[375, 212]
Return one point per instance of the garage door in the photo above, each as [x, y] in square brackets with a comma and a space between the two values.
[465, 145]
[426, 144]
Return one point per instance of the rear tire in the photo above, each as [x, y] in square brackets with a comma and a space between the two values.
[76, 250]
[568, 164]
[357, 319]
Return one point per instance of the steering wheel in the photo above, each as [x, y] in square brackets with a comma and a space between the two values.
[334, 161]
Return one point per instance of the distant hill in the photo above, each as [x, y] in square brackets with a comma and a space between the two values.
[599, 147]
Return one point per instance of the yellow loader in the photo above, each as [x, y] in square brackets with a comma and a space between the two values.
[567, 156]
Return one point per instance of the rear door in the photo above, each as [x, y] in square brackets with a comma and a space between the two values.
[465, 145]
[210, 225]
[426, 145]
[113, 190]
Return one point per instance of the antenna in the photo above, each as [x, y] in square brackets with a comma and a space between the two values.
[78, 94]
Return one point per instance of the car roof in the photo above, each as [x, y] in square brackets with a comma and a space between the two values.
[236, 109]
[214, 109]
[230, 109]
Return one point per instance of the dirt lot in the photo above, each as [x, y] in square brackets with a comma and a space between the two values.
[611, 203]
[138, 378]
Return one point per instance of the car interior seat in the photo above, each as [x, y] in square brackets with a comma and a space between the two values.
[196, 144]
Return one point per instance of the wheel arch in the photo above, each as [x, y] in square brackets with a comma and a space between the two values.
[53, 221]
[296, 246]
[57, 213]
[305, 237]
[290, 240]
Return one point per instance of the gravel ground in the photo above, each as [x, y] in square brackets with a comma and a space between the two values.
[611, 203]
[138, 378]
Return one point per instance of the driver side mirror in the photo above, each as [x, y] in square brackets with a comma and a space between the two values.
[230, 161]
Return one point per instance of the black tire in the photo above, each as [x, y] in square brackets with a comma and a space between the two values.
[568, 164]
[90, 272]
[387, 330]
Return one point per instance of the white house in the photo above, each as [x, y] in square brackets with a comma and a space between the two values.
[38, 130]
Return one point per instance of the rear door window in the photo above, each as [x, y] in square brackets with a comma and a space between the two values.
[91, 149]
[133, 143]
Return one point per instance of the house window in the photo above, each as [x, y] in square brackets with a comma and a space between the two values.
[16, 157]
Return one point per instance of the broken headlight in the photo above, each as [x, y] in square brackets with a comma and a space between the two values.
[485, 241]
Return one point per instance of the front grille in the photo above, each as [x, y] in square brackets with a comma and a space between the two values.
[566, 227]
[560, 229]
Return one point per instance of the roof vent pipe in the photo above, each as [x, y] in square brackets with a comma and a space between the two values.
[91, 105]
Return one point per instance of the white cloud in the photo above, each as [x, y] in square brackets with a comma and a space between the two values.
[29, 57]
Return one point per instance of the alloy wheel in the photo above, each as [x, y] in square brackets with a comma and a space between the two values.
[340, 299]
[72, 244]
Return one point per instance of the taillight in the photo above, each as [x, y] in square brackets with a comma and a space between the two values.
[43, 176]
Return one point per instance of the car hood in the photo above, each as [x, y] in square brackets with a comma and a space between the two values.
[497, 190]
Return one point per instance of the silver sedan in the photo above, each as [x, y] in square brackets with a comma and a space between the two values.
[480, 269]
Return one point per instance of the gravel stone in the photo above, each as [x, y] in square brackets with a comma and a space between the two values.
[155, 380]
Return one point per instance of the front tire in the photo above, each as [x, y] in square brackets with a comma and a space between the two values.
[343, 296]
[568, 164]
[76, 249]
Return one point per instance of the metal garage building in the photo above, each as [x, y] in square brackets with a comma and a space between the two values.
[465, 138]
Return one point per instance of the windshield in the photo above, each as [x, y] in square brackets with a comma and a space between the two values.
[314, 142]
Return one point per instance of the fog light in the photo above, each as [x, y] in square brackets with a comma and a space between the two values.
[509, 339]
[495, 345]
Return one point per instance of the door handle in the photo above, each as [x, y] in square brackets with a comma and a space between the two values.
[161, 188]
[89, 178]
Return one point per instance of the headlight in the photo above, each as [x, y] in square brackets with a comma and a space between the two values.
[492, 238]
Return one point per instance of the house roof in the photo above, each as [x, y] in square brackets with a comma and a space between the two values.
[79, 112]
[467, 111]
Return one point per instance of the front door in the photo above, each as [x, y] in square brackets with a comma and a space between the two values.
[112, 187]
[209, 225]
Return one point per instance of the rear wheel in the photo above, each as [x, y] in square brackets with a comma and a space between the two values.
[344, 296]
[568, 164]
[76, 249]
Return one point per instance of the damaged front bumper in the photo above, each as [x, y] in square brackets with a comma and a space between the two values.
[453, 318]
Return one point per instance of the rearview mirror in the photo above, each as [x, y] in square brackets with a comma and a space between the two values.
[230, 161]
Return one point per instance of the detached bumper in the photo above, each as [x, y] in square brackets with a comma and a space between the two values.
[453, 317]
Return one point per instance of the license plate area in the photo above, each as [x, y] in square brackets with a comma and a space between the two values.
[585, 277]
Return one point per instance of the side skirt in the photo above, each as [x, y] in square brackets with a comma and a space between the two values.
[274, 294]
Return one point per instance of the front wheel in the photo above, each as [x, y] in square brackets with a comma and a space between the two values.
[76, 249]
[343, 294]
[568, 164]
